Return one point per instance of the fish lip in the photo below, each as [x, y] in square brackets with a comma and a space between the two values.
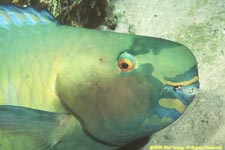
[186, 93]
[184, 89]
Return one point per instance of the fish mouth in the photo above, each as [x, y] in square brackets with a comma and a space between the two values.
[185, 91]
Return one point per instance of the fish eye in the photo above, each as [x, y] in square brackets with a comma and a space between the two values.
[126, 65]
[126, 62]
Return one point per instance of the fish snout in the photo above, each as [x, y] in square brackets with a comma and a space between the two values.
[184, 91]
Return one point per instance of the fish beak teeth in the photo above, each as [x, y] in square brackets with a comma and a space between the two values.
[189, 91]
[185, 93]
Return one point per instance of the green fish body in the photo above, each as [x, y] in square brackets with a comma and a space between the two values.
[72, 88]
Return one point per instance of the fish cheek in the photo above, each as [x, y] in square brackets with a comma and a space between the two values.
[108, 106]
[125, 106]
[125, 102]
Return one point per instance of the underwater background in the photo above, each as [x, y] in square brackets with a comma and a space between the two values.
[198, 24]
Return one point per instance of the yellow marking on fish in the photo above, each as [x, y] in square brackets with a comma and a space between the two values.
[172, 103]
[184, 83]
[156, 120]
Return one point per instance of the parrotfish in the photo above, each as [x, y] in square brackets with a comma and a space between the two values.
[67, 88]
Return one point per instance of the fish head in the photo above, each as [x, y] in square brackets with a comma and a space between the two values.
[126, 87]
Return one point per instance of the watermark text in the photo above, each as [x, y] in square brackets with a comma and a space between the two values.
[165, 147]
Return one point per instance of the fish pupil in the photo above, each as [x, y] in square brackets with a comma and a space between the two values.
[125, 65]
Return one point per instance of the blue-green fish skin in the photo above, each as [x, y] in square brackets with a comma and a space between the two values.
[72, 88]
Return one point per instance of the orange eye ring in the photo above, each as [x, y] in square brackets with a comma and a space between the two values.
[126, 65]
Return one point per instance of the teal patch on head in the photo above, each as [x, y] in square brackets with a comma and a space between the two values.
[146, 70]
[187, 75]
[127, 56]
[143, 45]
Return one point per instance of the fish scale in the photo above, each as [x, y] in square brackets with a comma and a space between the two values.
[74, 88]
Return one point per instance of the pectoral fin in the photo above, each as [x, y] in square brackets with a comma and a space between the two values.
[28, 129]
